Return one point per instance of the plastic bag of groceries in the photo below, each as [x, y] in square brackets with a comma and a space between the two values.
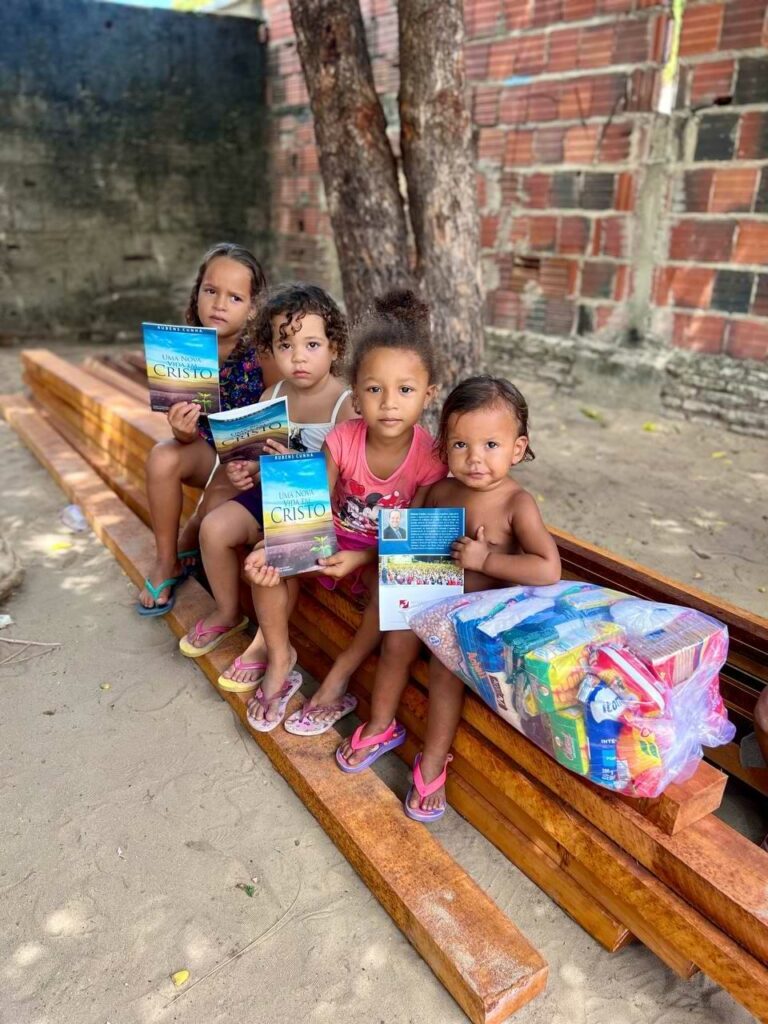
[622, 691]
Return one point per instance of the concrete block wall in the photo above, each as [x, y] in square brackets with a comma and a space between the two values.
[130, 140]
[611, 232]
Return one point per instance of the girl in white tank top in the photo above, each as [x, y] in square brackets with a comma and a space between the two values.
[306, 332]
[310, 437]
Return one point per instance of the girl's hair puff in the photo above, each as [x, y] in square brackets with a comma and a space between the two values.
[482, 392]
[292, 302]
[241, 255]
[398, 320]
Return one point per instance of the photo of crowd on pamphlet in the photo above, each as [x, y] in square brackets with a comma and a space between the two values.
[419, 570]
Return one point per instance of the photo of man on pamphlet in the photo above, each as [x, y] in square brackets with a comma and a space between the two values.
[396, 524]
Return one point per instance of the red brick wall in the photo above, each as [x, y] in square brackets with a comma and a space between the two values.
[600, 216]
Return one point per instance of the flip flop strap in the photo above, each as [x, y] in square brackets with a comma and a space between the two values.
[425, 789]
[340, 705]
[281, 694]
[359, 742]
[200, 631]
[156, 591]
[247, 666]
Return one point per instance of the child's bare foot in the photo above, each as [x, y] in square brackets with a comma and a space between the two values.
[279, 668]
[368, 743]
[248, 670]
[200, 635]
[325, 700]
[159, 572]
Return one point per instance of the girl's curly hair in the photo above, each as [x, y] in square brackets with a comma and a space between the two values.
[291, 303]
[482, 392]
[241, 255]
[398, 320]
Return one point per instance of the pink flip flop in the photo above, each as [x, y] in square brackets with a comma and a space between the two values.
[424, 790]
[304, 721]
[392, 737]
[283, 695]
[220, 634]
[238, 665]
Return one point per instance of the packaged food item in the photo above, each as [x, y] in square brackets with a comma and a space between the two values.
[591, 600]
[483, 643]
[556, 671]
[569, 739]
[432, 622]
[676, 651]
[628, 679]
[603, 710]
[638, 748]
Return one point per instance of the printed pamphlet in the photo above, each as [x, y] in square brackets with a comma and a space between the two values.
[298, 522]
[182, 366]
[415, 563]
[242, 433]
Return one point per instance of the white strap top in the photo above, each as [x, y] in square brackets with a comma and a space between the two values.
[310, 437]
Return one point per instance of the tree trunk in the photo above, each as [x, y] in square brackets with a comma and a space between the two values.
[438, 157]
[356, 160]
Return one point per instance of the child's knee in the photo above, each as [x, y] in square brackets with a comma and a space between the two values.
[164, 459]
[212, 530]
[400, 646]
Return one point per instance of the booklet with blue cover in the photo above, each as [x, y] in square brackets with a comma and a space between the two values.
[415, 563]
[298, 522]
[241, 433]
[182, 366]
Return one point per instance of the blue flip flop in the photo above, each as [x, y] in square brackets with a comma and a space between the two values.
[194, 554]
[160, 609]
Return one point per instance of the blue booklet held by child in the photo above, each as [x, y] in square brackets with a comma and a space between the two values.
[242, 433]
[415, 563]
[182, 366]
[298, 522]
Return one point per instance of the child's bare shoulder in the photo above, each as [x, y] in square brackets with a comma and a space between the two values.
[521, 502]
[346, 410]
[441, 492]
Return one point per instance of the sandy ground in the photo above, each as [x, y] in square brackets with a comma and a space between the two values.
[129, 814]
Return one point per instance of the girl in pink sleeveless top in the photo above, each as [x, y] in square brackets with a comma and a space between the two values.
[383, 460]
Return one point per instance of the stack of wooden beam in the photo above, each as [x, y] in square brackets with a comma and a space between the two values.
[664, 871]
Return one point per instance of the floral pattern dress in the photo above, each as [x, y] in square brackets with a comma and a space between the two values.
[240, 383]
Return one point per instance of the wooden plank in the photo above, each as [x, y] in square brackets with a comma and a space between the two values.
[684, 803]
[111, 406]
[544, 866]
[710, 864]
[116, 379]
[125, 480]
[477, 953]
[729, 759]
